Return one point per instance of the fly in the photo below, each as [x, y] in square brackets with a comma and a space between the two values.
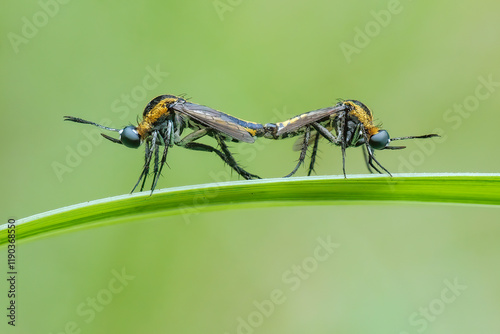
[352, 125]
[164, 120]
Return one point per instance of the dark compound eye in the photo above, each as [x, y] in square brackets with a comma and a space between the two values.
[130, 137]
[379, 140]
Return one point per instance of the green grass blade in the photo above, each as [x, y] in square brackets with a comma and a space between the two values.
[437, 188]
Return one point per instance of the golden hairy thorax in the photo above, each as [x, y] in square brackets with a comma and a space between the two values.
[365, 118]
[159, 110]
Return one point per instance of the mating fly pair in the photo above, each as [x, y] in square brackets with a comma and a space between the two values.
[167, 116]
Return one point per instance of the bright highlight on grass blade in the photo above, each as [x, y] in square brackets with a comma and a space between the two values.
[321, 190]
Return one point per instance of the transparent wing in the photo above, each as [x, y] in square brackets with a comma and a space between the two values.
[216, 120]
[307, 118]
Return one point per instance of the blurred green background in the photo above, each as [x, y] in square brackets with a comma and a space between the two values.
[420, 66]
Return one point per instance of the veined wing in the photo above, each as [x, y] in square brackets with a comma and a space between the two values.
[307, 118]
[216, 120]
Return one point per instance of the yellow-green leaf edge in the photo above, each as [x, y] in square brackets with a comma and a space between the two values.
[470, 188]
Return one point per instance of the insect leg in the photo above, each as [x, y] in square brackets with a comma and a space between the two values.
[166, 140]
[313, 154]
[147, 160]
[325, 133]
[372, 158]
[205, 148]
[231, 162]
[342, 139]
[334, 140]
[193, 136]
[343, 161]
[149, 150]
[305, 144]
[188, 142]
[153, 149]
[378, 163]
[367, 160]
[156, 166]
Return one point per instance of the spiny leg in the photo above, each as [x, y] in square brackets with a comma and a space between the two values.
[188, 142]
[369, 154]
[372, 158]
[205, 148]
[342, 139]
[166, 140]
[332, 139]
[378, 163]
[225, 155]
[147, 160]
[313, 154]
[192, 137]
[208, 148]
[303, 151]
[232, 162]
[156, 166]
[154, 150]
[325, 133]
[367, 160]
[149, 150]
[343, 160]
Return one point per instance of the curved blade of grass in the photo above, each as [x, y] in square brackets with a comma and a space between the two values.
[437, 188]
